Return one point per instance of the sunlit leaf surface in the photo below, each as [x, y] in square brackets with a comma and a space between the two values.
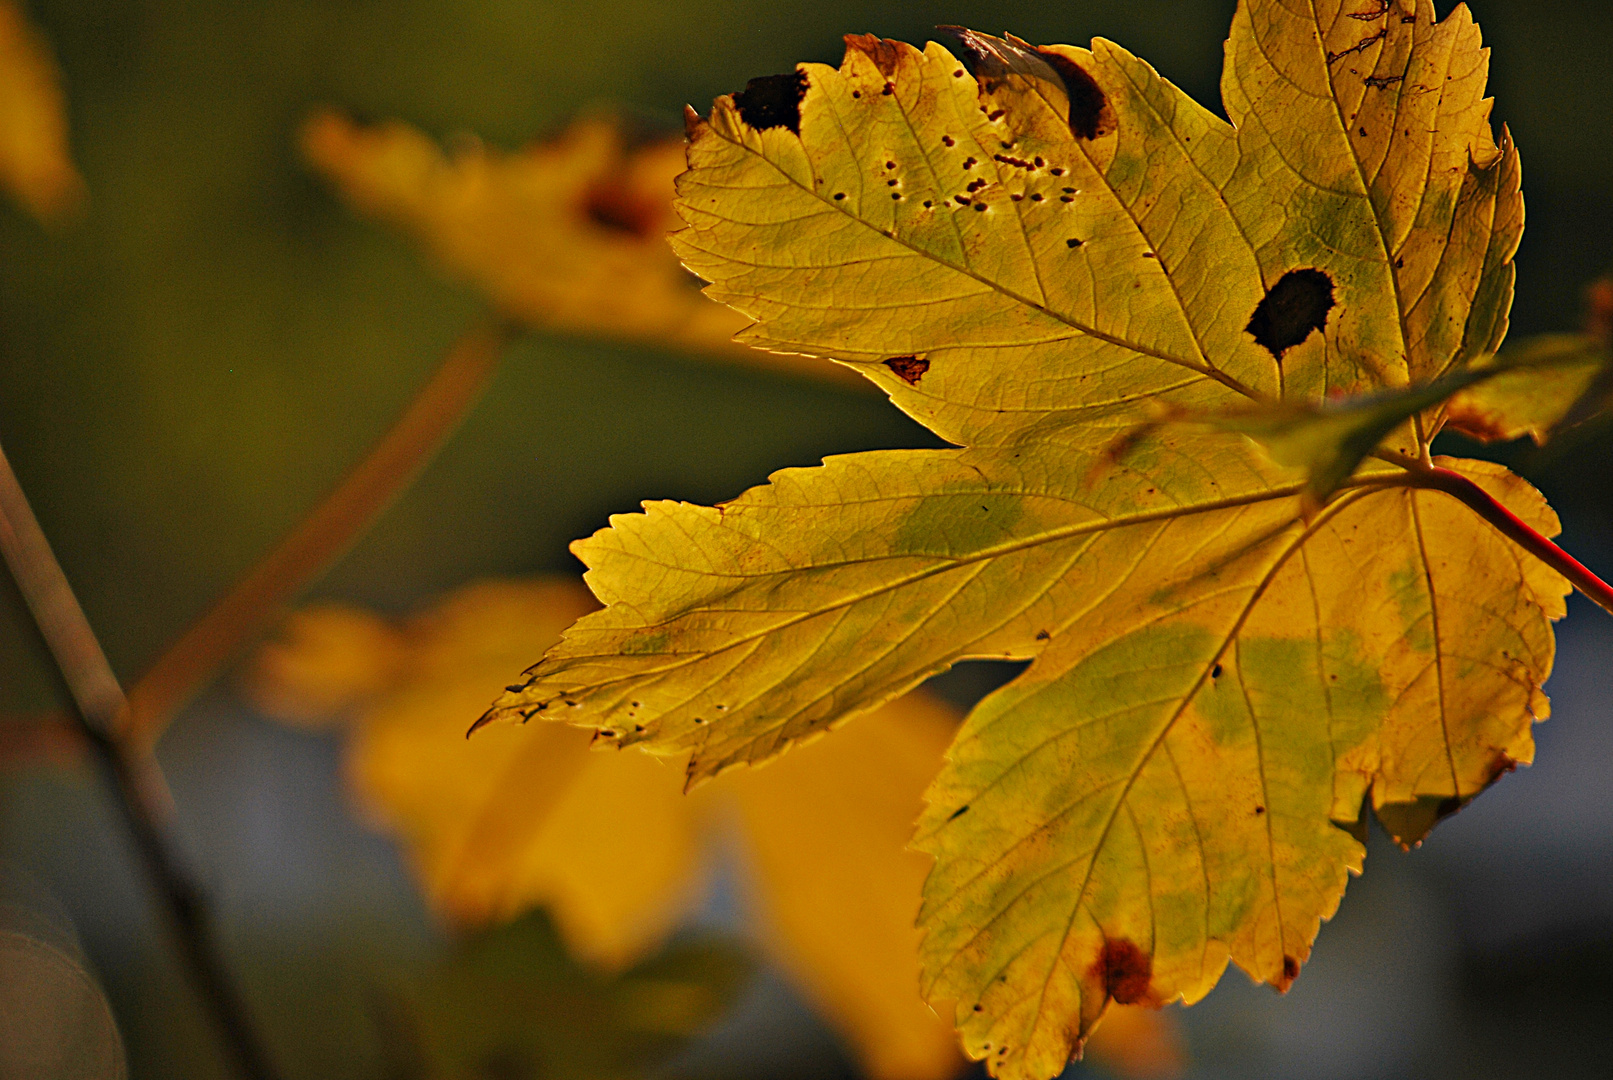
[566, 235]
[1034, 251]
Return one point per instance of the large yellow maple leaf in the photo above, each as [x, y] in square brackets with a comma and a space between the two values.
[568, 234]
[1039, 253]
[516, 818]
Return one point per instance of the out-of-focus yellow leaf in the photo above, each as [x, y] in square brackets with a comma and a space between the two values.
[1139, 1042]
[35, 163]
[525, 816]
[328, 658]
[567, 235]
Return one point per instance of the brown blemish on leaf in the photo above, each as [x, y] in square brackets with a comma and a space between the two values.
[883, 53]
[1125, 971]
[1090, 115]
[910, 369]
[773, 101]
[1475, 423]
[1383, 82]
[1290, 972]
[1293, 307]
[1367, 16]
[1361, 46]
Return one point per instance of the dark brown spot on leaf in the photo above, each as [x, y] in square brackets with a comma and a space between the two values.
[1383, 82]
[1089, 108]
[959, 812]
[1290, 969]
[969, 163]
[1295, 306]
[961, 199]
[1125, 971]
[1073, 242]
[980, 207]
[1042, 635]
[1215, 672]
[883, 53]
[910, 369]
[947, 140]
[1037, 197]
[839, 195]
[773, 101]
[1056, 170]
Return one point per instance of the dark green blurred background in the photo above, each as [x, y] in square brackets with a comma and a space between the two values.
[185, 371]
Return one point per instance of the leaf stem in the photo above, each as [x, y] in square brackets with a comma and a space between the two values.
[1518, 531]
[436, 411]
[97, 700]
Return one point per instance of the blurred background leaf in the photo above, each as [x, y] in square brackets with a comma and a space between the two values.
[35, 164]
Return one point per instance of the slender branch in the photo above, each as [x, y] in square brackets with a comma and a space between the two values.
[97, 700]
[433, 415]
[1519, 531]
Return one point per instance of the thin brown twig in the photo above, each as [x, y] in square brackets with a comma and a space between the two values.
[97, 700]
[186, 666]
[436, 411]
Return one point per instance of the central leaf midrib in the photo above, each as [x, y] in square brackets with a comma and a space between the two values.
[1052, 536]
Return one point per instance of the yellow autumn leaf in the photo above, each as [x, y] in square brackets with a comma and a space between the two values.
[515, 818]
[36, 166]
[567, 235]
[1033, 252]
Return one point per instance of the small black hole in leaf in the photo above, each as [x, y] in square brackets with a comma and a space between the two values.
[773, 101]
[1295, 306]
